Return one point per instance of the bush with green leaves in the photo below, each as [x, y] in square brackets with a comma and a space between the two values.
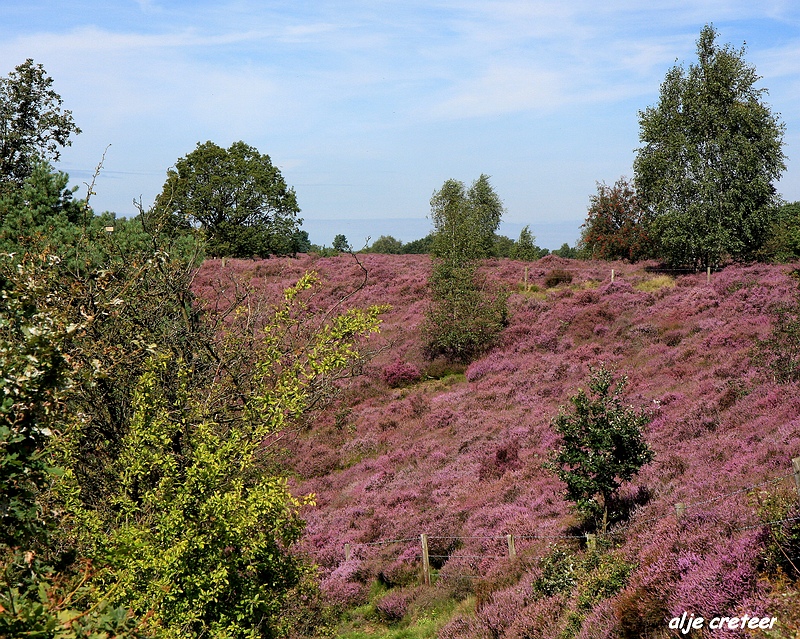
[45, 591]
[165, 486]
[602, 445]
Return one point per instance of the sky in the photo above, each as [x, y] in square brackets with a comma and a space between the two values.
[368, 106]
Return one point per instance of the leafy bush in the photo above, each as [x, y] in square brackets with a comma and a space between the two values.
[559, 572]
[602, 445]
[44, 588]
[607, 575]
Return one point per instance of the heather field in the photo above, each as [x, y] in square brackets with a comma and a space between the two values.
[457, 453]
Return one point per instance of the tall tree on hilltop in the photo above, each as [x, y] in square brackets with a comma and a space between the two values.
[33, 125]
[711, 152]
[238, 198]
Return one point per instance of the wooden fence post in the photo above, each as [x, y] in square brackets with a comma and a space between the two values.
[796, 467]
[680, 510]
[612, 274]
[526, 279]
[347, 552]
[512, 548]
[708, 275]
[426, 564]
[591, 542]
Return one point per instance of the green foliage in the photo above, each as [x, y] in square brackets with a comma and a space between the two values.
[41, 212]
[35, 599]
[503, 246]
[238, 198]
[783, 242]
[568, 252]
[712, 150]
[420, 246]
[590, 579]
[606, 574]
[386, 244]
[559, 572]
[199, 541]
[340, 244]
[525, 248]
[463, 319]
[154, 458]
[323, 251]
[616, 226]
[34, 371]
[33, 127]
[465, 220]
[602, 445]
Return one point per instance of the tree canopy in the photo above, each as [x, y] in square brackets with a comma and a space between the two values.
[239, 199]
[33, 126]
[711, 151]
[616, 225]
[465, 220]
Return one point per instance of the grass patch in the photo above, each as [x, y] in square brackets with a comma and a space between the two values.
[533, 292]
[423, 621]
[655, 284]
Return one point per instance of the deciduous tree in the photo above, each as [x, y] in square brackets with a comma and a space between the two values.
[525, 247]
[464, 318]
[616, 226]
[33, 126]
[712, 150]
[465, 220]
[236, 195]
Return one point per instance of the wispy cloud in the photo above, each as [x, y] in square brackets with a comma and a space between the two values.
[335, 84]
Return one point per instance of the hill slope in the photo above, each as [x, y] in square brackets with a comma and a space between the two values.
[459, 455]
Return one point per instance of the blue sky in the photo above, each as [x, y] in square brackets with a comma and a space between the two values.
[369, 106]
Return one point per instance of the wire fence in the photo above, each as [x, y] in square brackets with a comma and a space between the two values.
[679, 512]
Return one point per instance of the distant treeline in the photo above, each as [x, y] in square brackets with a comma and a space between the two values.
[524, 248]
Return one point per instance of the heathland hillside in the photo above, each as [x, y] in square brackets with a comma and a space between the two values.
[459, 453]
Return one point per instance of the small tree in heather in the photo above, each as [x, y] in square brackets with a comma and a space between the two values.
[602, 445]
[525, 249]
[464, 318]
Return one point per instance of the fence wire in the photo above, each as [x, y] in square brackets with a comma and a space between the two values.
[596, 536]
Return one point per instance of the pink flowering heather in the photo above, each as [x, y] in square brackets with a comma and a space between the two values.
[460, 455]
